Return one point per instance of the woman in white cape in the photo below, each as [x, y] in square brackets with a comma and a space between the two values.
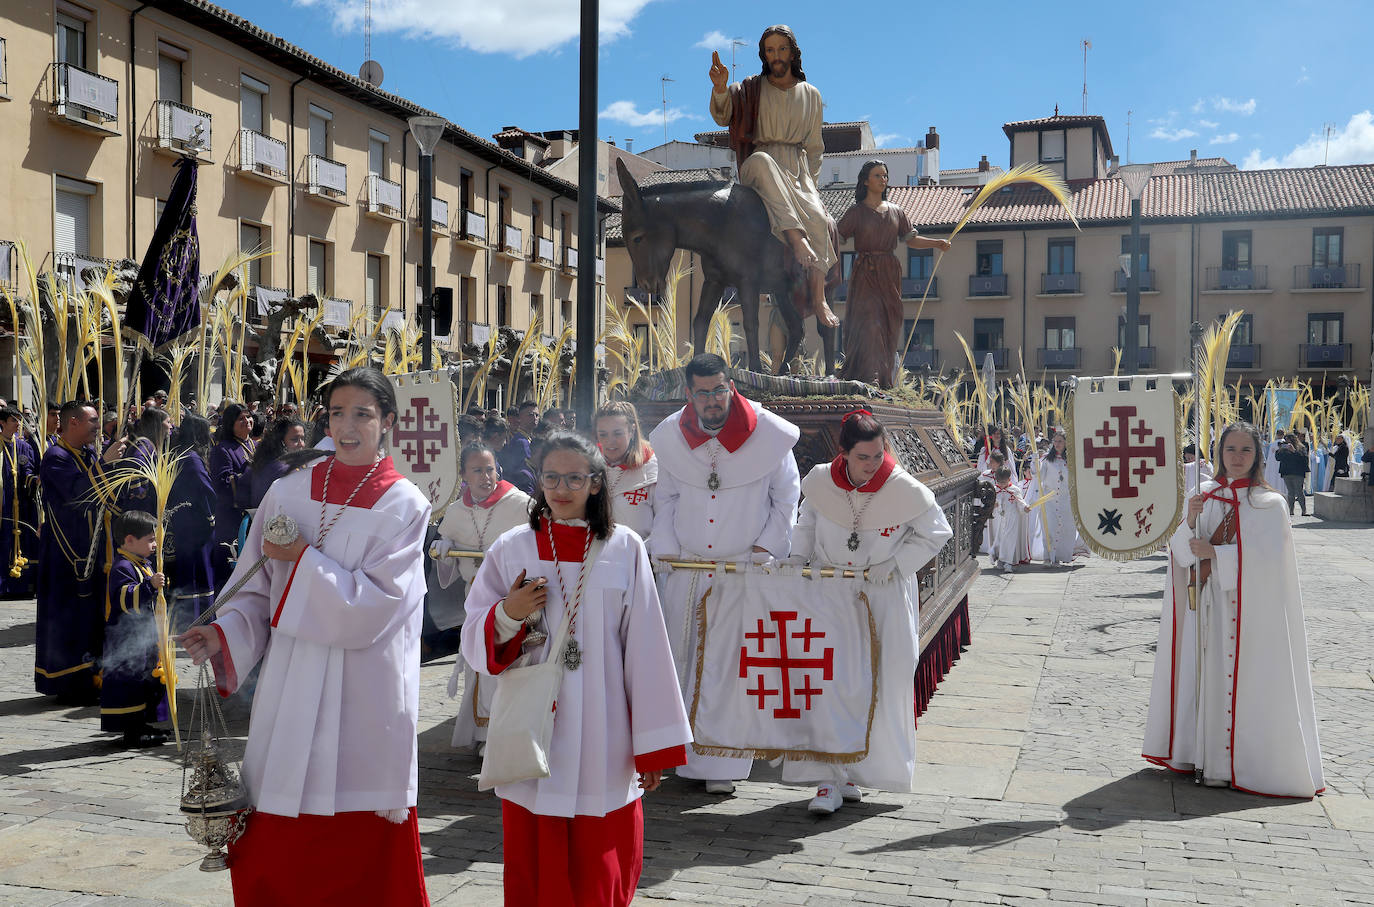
[487, 507]
[1246, 719]
[632, 468]
[863, 511]
[1056, 537]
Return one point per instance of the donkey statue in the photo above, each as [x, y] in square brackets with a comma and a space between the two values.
[728, 227]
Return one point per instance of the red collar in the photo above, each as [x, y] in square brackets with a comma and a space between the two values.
[739, 425]
[346, 478]
[497, 494]
[840, 476]
[572, 541]
[1224, 482]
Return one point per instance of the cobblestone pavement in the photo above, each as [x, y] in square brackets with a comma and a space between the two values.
[1030, 787]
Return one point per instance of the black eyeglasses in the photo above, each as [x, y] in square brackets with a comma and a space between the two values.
[719, 393]
[574, 480]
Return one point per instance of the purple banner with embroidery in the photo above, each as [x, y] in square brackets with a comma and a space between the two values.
[165, 302]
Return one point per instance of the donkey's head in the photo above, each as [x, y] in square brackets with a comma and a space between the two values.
[649, 236]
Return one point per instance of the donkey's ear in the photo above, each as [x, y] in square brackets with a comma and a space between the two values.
[628, 186]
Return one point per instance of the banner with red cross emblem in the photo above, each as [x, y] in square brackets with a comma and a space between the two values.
[788, 666]
[1125, 464]
[424, 441]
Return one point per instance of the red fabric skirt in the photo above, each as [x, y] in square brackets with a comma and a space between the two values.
[941, 654]
[585, 861]
[348, 858]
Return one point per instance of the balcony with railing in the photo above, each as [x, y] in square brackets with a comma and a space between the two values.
[987, 286]
[1147, 281]
[9, 264]
[640, 296]
[999, 356]
[180, 127]
[262, 157]
[1322, 356]
[1243, 357]
[1058, 360]
[335, 312]
[1332, 277]
[1145, 357]
[569, 260]
[479, 332]
[325, 179]
[917, 287]
[80, 271]
[1237, 280]
[928, 358]
[4, 77]
[472, 229]
[85, 99]
[510, 242]
[438, 214]
[541, 253]
[262, 299]
[1060, 284]
[383, 198]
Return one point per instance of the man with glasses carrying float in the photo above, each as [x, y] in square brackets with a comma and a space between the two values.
[727, 491]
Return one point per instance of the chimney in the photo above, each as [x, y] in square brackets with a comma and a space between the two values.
[983, 165]
[629, 146]
[1116, 161]
[932, 138]
[1192, 158]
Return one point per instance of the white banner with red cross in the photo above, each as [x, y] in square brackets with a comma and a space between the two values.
[424, 441]
[787, 666]
[1125, 464]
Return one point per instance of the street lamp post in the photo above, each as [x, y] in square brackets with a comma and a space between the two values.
[427, 131]
[1135, 176]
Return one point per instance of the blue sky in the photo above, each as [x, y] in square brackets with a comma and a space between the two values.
[1259, 83]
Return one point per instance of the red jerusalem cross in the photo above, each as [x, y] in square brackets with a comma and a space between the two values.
[1122, 453]
[785, 664]
[419, 444]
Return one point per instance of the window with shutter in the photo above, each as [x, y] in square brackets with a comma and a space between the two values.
[168, 79]
[250, 240]
[252, 103]
[372, 286]
[316, 278]
[71, 40]
[72, 220]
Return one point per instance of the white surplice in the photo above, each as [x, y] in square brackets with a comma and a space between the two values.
[622, 702]
[632, 495]
[338, 633]
[904, 524]
[1253, 725]
[1009, 540]
[754, 506]
[1055, 536]
[473, 527]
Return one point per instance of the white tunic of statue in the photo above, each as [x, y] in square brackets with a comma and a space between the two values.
[470, 526]
[621, 702]
[754, 506]
[632, 495]
[901, 523]
[338, 633]
[1254, 663]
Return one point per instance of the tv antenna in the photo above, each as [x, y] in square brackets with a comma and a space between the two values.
[1087, 46]
[663, 85]
[735, 44]
[1128, 136]
[1326, 155]
[371, 71]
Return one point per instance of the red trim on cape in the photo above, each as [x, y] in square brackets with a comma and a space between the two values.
[839, 474]
[500, 491]
[658, 760]
[346, 478]
[281, 603]
[501, 655]
[572, 541]
[226, 678]
[740, 423]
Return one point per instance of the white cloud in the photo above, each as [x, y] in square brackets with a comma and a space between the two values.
[714, 40]
[1352, 144]
[1208, 124]
[1199, 106]
[520, 28]
[1172, 135]
[1244, 108]
[887, 140]
[626, 112]
[1226, 139]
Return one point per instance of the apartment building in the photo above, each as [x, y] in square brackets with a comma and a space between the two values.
[1291, 248]
[101, 96]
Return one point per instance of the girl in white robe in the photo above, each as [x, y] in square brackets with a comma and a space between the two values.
[1057, 541]
[988, 476]
[1246, 719]
[1010, 545]
[334, 617]
[992, 443]
[576, 836]
[487, 507]
[632, 468]
[863, 492]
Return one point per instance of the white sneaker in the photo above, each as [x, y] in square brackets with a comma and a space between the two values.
[826, 801]
[850, 792]
[720, 787]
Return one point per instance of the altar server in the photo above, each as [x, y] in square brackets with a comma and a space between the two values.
[488, 506]
[632, 468]
[863, 511]
[727, 491]
[1009, 546]
[1236, 707]
[334, 618]
[576, 836]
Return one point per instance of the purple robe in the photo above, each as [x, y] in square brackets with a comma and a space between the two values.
[137, 495]
[190, 532]
[130, 696]
[228, 460]
[71, 603]
[17, 456]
